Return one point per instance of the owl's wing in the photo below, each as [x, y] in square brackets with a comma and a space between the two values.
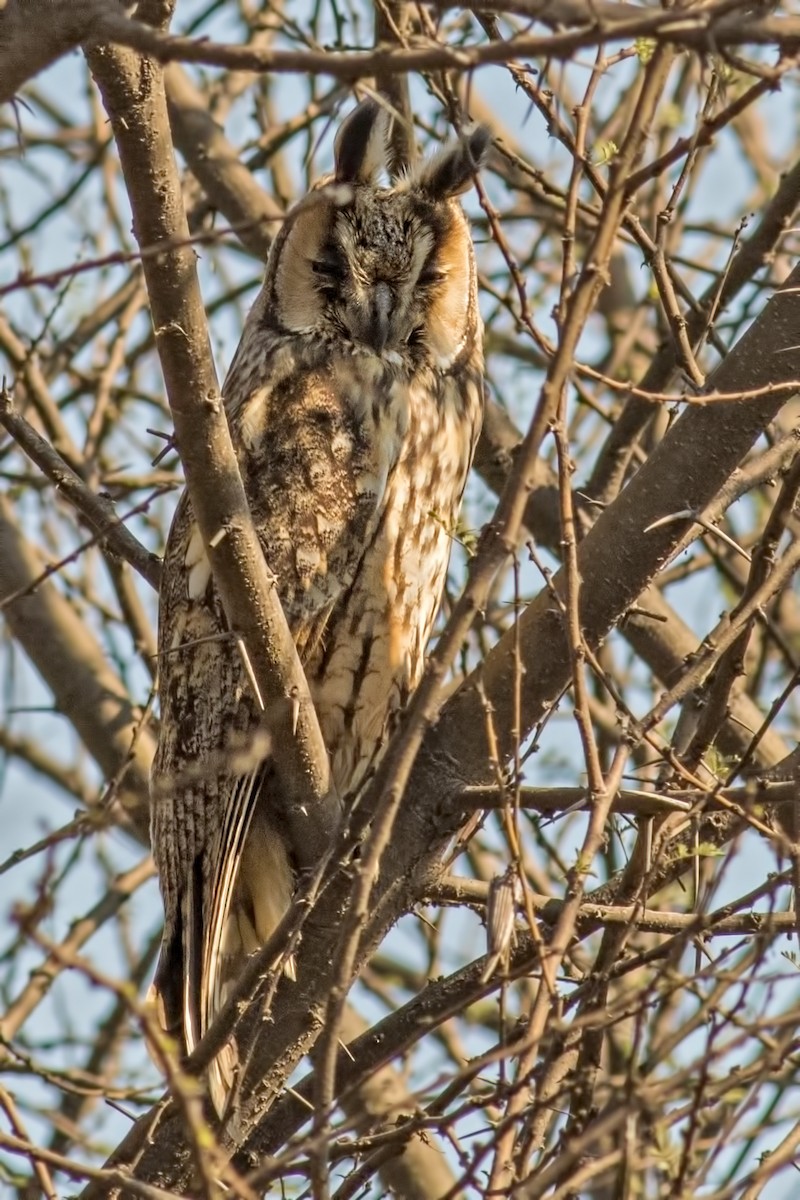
[236, 822]
[316, 475]
[190, 982]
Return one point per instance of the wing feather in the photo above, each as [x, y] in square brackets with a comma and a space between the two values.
[192, 938]
[238, 815]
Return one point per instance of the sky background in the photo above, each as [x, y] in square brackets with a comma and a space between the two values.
[28, 808]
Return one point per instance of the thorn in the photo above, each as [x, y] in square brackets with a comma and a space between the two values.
[251, 675]
[218, 537]
[169, 445]
[647, 831]
[671, 802]
[293, 1092]
[636, 610]
[689, 514]
[579, 806]
[683, 514]
[601, 504]
[346, 1049]
[295, 702]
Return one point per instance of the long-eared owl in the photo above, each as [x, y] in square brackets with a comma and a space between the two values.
[354, 402]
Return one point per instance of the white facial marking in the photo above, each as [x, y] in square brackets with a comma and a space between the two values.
[197, 565]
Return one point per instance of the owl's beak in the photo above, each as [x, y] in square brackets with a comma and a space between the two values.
[379, 314]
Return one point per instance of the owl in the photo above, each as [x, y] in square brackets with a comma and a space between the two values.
[354, 401]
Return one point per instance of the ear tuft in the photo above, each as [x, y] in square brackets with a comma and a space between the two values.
[360, 146]
[451, 171]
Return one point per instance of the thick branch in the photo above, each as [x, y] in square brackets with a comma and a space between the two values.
[84, 688]
[662, 639]
[420, 1171]
[99, 511]
[618, 558]
[133, 94]
[34, 33]
[226, 181]
[549, 801]
[704, 30]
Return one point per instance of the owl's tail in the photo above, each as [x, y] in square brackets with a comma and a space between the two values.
[249, 910]
[223, 919]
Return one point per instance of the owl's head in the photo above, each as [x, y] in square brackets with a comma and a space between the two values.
[383, 271]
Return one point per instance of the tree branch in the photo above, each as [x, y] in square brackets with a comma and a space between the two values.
[99, 511]
[34, 33]
[84, 688]
[133, 94]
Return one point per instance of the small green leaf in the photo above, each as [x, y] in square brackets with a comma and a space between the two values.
[604, 152]
[671, 116]
[645, 48]
[703, 850]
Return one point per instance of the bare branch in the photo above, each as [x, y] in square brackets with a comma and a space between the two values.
[84, 687]
[99, 511]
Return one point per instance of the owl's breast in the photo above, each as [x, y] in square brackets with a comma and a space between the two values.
[373, 652]
[317, 444]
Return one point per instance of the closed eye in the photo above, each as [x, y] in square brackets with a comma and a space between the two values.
[328, 269]
[430, 275]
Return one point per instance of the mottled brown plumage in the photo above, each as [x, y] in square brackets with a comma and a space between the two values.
[354, 401]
